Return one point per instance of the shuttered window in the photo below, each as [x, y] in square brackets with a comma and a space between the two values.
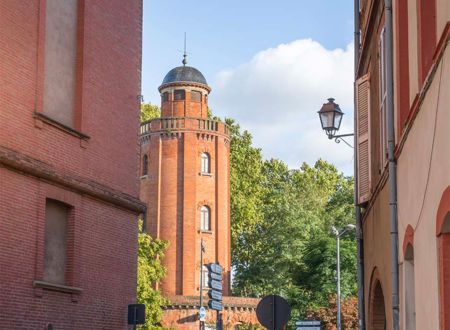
[363, 138]
[383, 98]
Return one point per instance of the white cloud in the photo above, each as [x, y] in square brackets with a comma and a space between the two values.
[276, 96]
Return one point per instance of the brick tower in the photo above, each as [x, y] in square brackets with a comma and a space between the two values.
[185, 182]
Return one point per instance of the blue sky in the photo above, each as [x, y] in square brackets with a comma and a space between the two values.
[275, 42]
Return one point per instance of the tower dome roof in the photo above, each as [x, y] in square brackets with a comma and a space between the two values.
[184, 74]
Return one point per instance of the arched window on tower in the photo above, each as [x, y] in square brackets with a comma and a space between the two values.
[205, 216]
[205, 275]
[205, 163]
[145, 165]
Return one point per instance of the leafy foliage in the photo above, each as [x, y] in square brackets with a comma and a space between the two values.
[281, 219]
[149, 111]
[328, 314]
[150, 272]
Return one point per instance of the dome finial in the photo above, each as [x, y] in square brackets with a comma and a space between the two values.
[184, 61]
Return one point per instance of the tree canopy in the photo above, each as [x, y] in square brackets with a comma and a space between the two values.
[149, 111]
[150, 272]
[280, 227]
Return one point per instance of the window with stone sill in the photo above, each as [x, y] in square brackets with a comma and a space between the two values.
[205, 164]
[205, 215]
[55, 244]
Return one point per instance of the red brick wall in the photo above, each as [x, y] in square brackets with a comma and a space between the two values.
[111, 85]
[175, 191]
[103, 252]
[183, 313]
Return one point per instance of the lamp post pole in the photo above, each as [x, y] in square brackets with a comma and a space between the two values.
[338, 257]
[338, 268]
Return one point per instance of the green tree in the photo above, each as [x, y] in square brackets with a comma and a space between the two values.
[150, 272]
[246, 172]
[281, 219]
[149, 111]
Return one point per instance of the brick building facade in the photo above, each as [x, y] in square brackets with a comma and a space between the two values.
[69, 86]
[186, 184]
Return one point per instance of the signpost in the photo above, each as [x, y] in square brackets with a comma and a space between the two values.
[215, 292]
[136, 314]
[308, 325]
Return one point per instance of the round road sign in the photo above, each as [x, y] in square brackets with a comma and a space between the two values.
[273, 312]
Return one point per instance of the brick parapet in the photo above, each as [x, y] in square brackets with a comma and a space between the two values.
[227, 302]
[173, 125]
[182, 312]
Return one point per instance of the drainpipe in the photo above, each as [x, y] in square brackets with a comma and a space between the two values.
[359, 233]
[392, 164]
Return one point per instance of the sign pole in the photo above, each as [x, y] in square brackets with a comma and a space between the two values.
[201, 279]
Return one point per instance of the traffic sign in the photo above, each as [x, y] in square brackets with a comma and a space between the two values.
[273, 312]
[214, 276]
[308, 325]
[216, 295]
[215, 305]
[216, 268]
[202, 313]
[215, 285]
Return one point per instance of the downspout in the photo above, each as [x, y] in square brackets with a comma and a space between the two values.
[392, 164]
[359, 232]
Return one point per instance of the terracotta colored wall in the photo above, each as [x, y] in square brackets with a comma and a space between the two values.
[103, 251]
[422, 178]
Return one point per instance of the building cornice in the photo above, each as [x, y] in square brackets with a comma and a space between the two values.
[27, 165]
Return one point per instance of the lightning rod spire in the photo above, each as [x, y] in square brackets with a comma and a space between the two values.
[185, 54]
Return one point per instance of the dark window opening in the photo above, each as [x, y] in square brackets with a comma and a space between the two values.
[145, 165]
[165, 96]
[179, 94]
[196, 96]
[56, 219]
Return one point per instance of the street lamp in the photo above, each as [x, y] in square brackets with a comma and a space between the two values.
[338, 262]
[330, 118]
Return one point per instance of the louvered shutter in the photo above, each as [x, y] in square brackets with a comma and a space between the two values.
[363, 138]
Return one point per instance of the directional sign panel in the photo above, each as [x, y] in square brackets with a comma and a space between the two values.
[215, 285]
[216, 295]
[308, 323]
[215, 276]
[216, 268]
[215, 305]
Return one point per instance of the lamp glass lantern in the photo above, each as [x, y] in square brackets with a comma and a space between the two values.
[330, 117]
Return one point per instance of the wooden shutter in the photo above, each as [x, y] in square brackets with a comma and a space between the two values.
[363, 138]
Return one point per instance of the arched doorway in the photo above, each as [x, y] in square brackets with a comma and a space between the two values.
[377, 313]
[443, 237]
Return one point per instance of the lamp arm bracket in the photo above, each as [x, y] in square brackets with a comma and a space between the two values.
[342, 135]
[339, 138]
